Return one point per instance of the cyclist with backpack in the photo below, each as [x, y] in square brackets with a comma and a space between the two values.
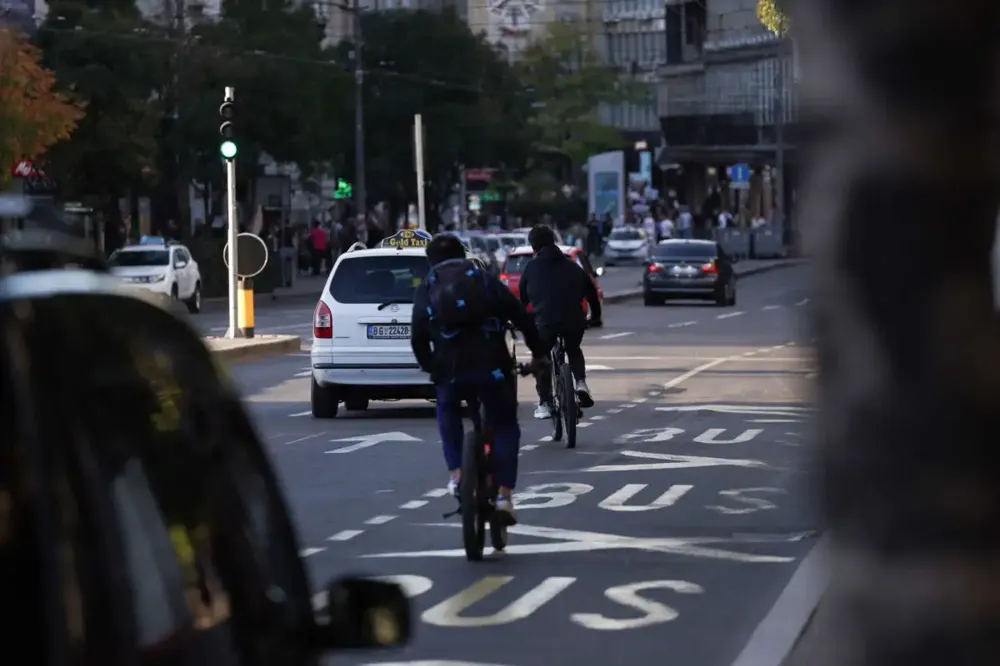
[460, 318]
[555, 287]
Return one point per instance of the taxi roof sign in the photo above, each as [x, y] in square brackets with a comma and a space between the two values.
[407, 238]
[152, 240]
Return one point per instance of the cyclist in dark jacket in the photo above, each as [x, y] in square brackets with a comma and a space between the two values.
[473, 362]
[555, 287]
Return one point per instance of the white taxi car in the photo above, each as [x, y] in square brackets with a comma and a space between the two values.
[162, 267]
[361, 327]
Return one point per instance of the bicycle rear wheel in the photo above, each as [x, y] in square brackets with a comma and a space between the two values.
[568, 406]
[470, 494]
[557, 428]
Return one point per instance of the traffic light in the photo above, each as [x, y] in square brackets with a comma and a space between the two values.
[226, 130]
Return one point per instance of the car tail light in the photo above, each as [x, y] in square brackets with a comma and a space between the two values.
[505, 278]
[655, 268]
[710, 267]
[323, 322]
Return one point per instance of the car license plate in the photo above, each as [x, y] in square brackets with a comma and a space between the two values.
[388, 331]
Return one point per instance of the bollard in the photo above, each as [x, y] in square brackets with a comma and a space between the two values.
[244, 307]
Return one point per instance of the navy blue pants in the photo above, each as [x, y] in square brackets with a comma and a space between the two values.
[500, 404]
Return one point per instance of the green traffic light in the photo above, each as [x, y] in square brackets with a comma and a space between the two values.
[228, 149]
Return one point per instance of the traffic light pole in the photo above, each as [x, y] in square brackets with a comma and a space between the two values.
[233, 230]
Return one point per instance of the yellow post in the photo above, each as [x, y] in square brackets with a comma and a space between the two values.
[244, 307]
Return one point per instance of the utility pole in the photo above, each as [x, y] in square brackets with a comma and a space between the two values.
[179, 21]
[360, 193]
[779, 158]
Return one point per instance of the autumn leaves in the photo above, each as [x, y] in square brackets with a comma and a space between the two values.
[33, 114]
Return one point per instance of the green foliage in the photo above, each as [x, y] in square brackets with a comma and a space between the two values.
[772, 17]
[114, 143]
[566, 75]
[468, 96]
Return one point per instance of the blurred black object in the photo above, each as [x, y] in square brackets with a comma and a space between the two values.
[141, 521]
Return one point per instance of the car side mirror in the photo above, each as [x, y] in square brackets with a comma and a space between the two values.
[364, 614]
[180, 263]
[599, 271]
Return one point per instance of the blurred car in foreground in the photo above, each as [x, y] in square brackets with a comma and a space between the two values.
[519, 258]
[141, 521]
[689, 269]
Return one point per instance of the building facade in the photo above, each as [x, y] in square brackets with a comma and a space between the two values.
[727, 97]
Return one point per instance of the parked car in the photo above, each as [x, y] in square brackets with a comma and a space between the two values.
[519, 258]
[626, 245]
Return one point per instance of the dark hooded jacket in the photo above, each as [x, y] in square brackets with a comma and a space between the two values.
[555, 287]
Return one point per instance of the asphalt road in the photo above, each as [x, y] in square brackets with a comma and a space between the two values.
[292, 315]
[667, 536]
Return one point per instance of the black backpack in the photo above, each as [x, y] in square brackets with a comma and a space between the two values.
[458, 299]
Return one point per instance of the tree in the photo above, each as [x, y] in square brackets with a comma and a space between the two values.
[33, 114]
[570, 81]
[772, 17]
[115, 62]
[467, 95]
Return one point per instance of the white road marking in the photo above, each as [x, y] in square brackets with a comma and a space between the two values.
[795, 411]
[597, 368]
[305, 373]
[671, 461]
[302, 439]
[345, 535]
[575, 541]
[547, 438]
[379, 520]
[771, 307]
[729, 315]
[306, 552]
[639, 401]
[752, 353]
[615, 411]
[737, 359]
[598, 418]
[448, 612]
[309, 413]
[612, 336]
[413, 504]
[436, 492]
[366, 441]
[585, 424]
[529, 447]
[617, 501]
[682, 324]
[774, 637]
[629, 405]
[802, 302]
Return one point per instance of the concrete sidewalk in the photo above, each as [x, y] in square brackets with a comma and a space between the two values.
[253, 349]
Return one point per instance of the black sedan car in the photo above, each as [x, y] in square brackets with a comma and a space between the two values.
[696, 269]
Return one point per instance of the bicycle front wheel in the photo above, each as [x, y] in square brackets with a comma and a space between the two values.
[471, 494]
[568, 406]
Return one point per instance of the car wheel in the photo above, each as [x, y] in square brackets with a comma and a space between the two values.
[325, 401]
[194, 303]
[356, 404]
[722, 295]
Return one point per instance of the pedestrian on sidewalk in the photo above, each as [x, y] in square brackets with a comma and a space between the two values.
[318, 243]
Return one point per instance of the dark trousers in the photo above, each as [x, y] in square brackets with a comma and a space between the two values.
[572, 335]
[500, 405]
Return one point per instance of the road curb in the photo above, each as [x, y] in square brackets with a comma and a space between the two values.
[778, 635]
[637, 293]
[258, 348]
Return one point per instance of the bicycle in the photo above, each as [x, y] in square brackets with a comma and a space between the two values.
[477, 500]
[565, 409]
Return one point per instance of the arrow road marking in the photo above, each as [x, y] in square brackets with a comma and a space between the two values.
[790, 411]
[573, 541]
[365, 441]
[672, 461]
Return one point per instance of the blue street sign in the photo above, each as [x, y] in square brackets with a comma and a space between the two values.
[739, 173]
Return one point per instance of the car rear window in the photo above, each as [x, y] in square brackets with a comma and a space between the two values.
[378, 279]
[515, 264]
[141, 258]
[685, 251]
